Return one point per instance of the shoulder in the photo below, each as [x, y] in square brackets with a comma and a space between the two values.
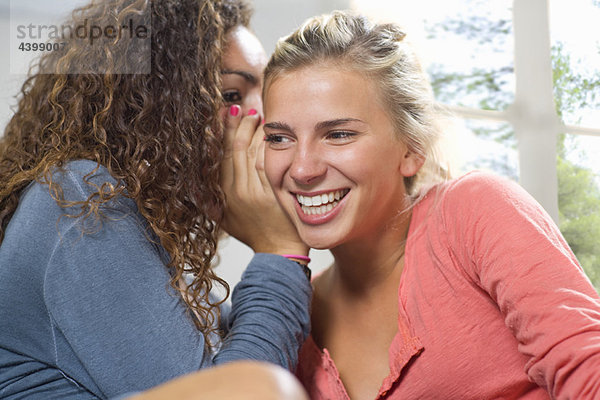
[480, 202]
[38, 200]
[65, 206]
[478, 190]
[481, 206]
[479, 183]
[80, 178]
[77, 180]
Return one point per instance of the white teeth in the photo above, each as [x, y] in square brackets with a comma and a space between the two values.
[320, 204]
[319, 210]
[321, 199]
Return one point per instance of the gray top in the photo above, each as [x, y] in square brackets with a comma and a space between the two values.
[91, 315]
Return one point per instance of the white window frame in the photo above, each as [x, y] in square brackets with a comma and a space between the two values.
[533, 113]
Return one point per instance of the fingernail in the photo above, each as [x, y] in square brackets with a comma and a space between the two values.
[252, 112]
[262, 122]
[234, 110]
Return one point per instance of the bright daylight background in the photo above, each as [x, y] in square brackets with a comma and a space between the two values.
[572, 22]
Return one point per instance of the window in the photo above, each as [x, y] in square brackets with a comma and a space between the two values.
[467, 48]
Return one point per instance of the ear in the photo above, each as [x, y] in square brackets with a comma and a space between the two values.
[411, 163]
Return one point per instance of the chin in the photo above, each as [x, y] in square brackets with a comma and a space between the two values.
[318, 246]
[319, 243]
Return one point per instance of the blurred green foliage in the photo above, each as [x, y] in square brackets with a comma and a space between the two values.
[489, 88]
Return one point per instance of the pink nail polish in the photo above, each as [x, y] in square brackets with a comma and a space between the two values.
[252, 112]
[234, 110]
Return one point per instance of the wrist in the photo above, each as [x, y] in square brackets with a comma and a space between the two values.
[299, 258]
[282, 250]
[302, 261]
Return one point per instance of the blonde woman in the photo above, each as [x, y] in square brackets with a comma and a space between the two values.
[440, 288]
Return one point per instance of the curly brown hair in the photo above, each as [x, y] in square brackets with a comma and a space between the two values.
[158, 134]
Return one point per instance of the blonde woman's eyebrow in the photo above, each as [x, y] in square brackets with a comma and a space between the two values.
[335, 122]
[280, 126]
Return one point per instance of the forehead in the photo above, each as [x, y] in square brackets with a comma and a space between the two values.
[323, 86]
[243, 50]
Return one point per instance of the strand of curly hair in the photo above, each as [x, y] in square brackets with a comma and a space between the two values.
[158, 134]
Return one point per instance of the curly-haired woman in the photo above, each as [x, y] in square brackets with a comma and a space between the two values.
[111, 203]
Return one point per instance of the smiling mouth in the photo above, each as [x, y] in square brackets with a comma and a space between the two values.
[321, 203]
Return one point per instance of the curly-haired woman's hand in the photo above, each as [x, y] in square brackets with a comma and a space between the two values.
[252, 214]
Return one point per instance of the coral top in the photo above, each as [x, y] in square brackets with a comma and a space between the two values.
[493, 305]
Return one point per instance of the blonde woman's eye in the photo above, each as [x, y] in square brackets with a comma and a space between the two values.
[274, 138]
[277, 141]
[340, 135]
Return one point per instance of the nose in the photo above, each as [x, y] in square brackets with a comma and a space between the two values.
[307, 167]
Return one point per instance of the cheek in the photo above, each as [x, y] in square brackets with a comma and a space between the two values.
[378, 158]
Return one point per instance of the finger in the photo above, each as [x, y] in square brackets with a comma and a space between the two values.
[241, 144]
[255, 147]
[260, 166]
[232, 122]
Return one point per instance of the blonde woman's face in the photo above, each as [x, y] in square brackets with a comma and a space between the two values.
[333, 157]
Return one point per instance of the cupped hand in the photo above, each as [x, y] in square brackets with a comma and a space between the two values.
[252, 214]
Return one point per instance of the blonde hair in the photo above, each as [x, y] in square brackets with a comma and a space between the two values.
[380, 52]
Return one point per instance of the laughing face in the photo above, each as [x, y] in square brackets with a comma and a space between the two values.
[333, 157]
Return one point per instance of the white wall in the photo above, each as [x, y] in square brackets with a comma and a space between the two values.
[276, 18]
[9, 83]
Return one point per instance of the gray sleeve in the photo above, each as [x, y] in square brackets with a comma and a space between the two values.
[113, 312]
[108, 296]
[114, 315]
[269, 318]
